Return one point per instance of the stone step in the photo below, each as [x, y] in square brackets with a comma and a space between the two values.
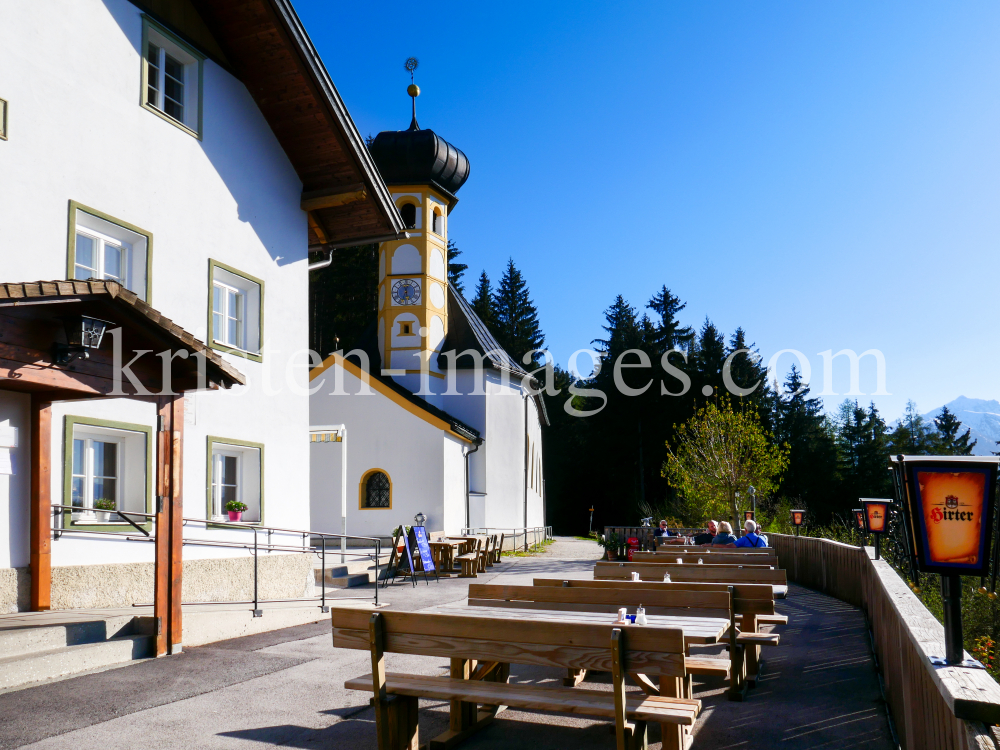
[16, 671]
[19, 641]
[349, 581]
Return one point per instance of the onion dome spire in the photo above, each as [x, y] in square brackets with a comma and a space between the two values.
[419, 157]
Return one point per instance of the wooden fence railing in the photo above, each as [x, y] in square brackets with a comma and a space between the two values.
[933, 708]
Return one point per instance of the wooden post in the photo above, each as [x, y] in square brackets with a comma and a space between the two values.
[41, 504]
[175, 633]
[382, 725]
[169, 526]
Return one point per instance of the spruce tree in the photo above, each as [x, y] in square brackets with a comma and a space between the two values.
[912, 435]
[670, 334]
[482, 302]
[949, 442]
[516, 325]
[708, 355]
[343, 299]
[455, 270]
[811, 478]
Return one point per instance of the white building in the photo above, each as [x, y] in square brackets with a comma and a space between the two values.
[439, 419]
[184, 155]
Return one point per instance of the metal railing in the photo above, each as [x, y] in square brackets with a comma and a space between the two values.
[255, 547]
[537, 534]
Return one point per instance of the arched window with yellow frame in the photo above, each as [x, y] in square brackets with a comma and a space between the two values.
[375, 490]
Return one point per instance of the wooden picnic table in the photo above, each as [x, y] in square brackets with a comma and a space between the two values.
[697, 630]
[443, 553]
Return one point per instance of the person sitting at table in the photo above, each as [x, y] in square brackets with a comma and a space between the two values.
[751, 538]
[725, 536]
[662, 530]
[705, 539]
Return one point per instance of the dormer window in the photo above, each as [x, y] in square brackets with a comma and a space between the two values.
[171, 78]
[438, 225]
[409, 213]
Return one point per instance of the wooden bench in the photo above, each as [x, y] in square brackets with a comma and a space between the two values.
[701, 550]
[716, 558]
[658, 599]
[692, 573]
[486, 554]
[470, 564]
[497, 548]
[479, 669]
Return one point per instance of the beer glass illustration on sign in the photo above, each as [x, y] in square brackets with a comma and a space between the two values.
[953, 513]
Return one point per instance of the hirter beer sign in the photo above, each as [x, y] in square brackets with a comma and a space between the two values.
[875, 515]
[949, 503]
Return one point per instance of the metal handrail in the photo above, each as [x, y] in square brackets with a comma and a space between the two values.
[546, 532]
[254, 550]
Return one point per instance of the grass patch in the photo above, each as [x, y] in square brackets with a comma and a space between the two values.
[534, 549]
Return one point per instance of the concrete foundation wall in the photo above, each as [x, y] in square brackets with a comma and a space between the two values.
[125, 584]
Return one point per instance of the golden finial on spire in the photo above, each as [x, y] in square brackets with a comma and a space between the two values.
[413, 89]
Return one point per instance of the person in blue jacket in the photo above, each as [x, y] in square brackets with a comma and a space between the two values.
[751, 538]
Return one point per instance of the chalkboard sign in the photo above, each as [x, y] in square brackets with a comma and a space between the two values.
[420, 533]
[406, 546]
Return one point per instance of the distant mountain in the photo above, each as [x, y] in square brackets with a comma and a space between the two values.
[981, 416]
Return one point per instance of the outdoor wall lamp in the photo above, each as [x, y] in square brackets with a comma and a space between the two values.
[418, 520]
[83, 333]
[798, 518]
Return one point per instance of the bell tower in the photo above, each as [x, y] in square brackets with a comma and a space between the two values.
[423, 172]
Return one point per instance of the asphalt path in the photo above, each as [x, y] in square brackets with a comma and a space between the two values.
[286, 688]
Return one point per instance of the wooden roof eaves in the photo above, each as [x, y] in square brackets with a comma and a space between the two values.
[39, 290]
[317, 70]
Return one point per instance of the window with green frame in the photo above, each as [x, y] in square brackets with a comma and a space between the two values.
[172, 77]
[103, 247]
[235, 311]
[235, 472]
[107, 468]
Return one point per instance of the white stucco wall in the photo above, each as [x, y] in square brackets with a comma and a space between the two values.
[70, 70]
[504, 454]
[453, 471]
[424, 465]
[15, 489]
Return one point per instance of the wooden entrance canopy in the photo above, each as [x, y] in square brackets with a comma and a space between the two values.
[157, 361]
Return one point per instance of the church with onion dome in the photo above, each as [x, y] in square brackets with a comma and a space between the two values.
[429, 415]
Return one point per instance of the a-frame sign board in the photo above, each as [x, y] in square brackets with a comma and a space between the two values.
[402, 563]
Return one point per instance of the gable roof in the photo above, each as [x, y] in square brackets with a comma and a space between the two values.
[404, 398]
[264, 44]
[467, 331]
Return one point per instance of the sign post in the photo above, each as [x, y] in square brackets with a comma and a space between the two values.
[948, 503]
[798, 518]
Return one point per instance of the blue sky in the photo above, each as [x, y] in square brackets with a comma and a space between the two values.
[823, 174]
